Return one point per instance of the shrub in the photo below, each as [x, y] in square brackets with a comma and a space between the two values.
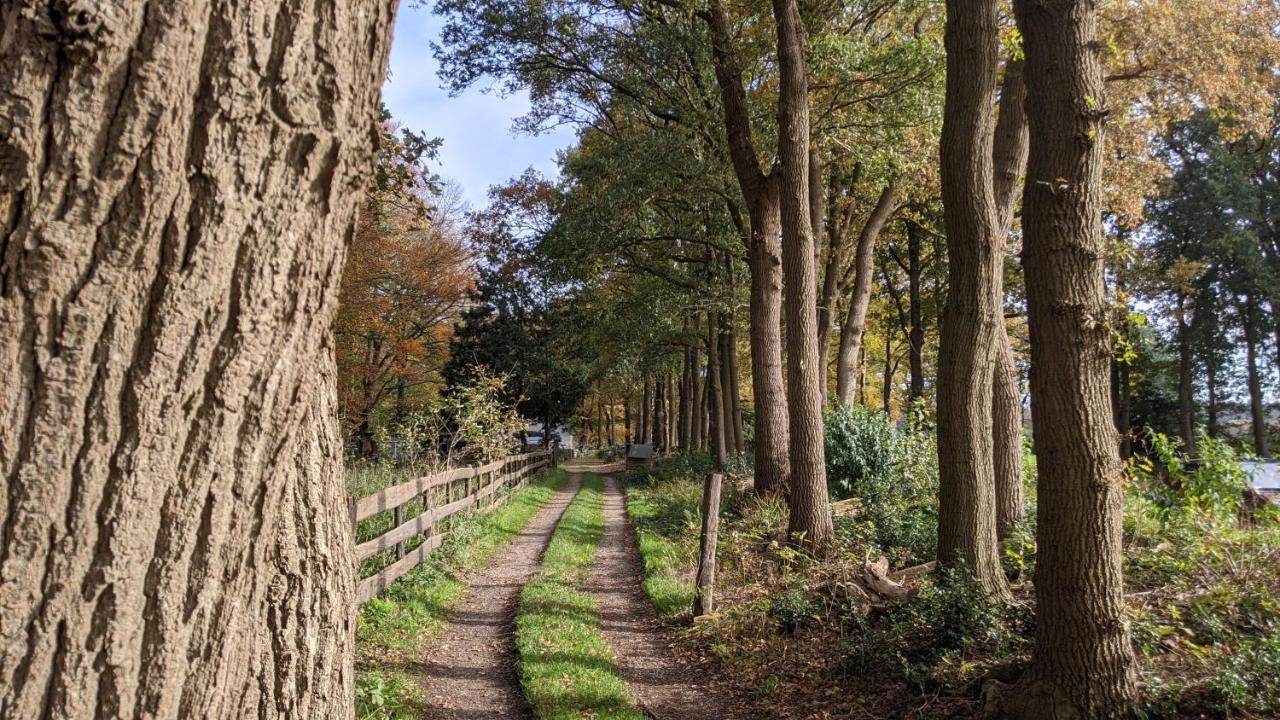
[893, 471]
[940, 624]
[864, 451]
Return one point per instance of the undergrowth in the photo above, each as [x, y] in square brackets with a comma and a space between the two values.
[1202, 575]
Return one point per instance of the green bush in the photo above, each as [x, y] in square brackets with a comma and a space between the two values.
[864, 451]
[1247, 679]
[791, 609]
[893, 471]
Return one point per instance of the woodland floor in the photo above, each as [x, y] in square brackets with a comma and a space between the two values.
[470, 670]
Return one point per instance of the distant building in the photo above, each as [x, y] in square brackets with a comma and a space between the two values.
[564, 437]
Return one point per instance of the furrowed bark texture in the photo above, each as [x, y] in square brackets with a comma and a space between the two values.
[967, 512]
[1082, 665]
[177, 184]
[810, 517]
[760, 190]
[1257, 410]
[1009, 162]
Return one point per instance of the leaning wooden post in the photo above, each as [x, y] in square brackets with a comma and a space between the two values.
[702, 600]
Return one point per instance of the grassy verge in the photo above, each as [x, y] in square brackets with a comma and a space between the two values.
[396, 622]
[665, 517]
[566, 667]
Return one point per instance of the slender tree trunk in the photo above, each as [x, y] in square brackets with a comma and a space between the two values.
[175, 541]
[628, 437]
[646, 407]
[1083, 664]
[1006, 416]
[1257, 408]
[697, 408]
[966, 504]
[726, 383]
[855, 321]
[886, 388]
[1211, 374]
[1186, 380]
[916, 334]
[684, 394]
[1009, 161]
[715, 399]
[739, 437]
[810, 520]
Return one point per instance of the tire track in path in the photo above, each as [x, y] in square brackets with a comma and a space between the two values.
[667, 687]
[469, 671]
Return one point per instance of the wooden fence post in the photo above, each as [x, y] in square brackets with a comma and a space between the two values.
[398, 514]
[703, 601]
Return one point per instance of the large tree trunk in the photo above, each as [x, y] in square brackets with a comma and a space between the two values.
[646, 410]
[966, 502]
[1083, 664]
[1256, 407]
[177, 184]
[810, 519]
[855, 321]
[697, 408]
[761, 191]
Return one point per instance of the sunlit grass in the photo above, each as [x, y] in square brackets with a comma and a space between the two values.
[665, 518]
[412, 610]
[566, 667]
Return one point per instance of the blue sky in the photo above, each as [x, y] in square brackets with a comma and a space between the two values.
[480, 149]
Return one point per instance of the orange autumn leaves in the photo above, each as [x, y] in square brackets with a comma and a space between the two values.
[408, 274]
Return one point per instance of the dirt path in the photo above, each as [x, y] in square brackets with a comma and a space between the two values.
[667, 688]
[469, 672]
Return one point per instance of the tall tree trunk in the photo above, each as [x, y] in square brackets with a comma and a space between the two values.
[627, 436]
[1006, 417]
[646, 410]
[772, 466]
[659, 414]
[966, 499]
[697, 409]
[715, 399]
[916, 334]
[1009, 161]
[173, 219]
[1186, 380]
[810, 519]
[684, 393]
[1083, 664]
[1257, 408]
[855, 321]
[1211, 376]
[735, 395]
[886, 388]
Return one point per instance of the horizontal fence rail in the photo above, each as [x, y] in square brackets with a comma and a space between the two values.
[443, 495]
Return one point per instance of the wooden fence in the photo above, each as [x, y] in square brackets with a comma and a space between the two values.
[443, 495]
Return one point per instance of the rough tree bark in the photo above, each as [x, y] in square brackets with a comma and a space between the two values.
[966, 502]
[1009, 161]
[855, 321]
[177, 184]
[1082, 665]
[760, 190]
[810, 517]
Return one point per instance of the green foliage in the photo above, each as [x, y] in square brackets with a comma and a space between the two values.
[1211, 486]
[893, 471]
[387, 696]
[941, 625]
[1247, 679]
[791, 609]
